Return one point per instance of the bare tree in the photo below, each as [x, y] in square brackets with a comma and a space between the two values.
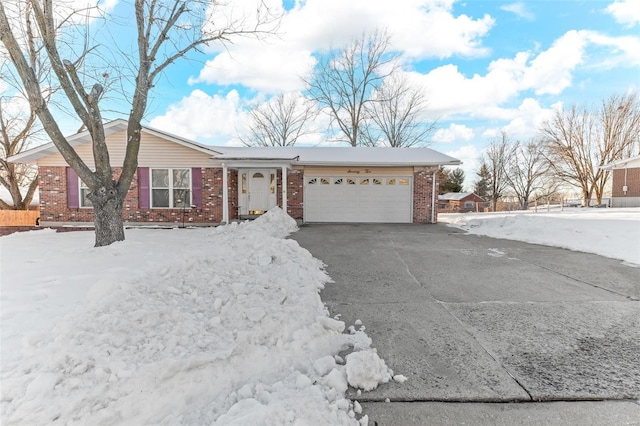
[280, 121]
[569, 149]
[17, 131]
[579, 141]
[396, 115]
[345, 79]
[19, 128]
[166, 31]
[618, 136]
[494, 164]
[526, 170]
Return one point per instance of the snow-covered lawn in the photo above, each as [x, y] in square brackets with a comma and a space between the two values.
[612, 233]
[184, 326]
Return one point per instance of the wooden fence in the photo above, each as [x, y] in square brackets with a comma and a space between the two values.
[19, 217]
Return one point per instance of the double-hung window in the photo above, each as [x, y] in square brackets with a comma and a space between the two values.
[170, 188]
[84, 191]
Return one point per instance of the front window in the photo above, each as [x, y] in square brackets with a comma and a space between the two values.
[170, 188]
[84, 191]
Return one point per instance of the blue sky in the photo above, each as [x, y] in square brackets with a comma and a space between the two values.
[486, 66]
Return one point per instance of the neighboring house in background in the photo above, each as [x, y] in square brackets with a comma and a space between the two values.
[178, 179]
[460, 202]
[625, 190]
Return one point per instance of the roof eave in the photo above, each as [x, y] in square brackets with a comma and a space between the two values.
[380, 164]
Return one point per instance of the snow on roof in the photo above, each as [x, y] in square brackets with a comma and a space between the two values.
[454, 196]
[624, 163]
[325, 155]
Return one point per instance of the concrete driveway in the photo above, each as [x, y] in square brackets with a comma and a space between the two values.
[476, 319]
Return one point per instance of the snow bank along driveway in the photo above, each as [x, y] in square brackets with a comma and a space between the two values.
[612, 233]
[203, 326]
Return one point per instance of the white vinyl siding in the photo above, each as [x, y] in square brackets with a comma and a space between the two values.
[154, 151]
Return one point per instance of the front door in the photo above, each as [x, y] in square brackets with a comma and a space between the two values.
[259, 181]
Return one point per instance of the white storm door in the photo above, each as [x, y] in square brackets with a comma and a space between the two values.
[259, 190]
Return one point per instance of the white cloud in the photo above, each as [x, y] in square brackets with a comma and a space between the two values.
[626, 12]
[260, 67]
[419, 28]
[550, 72]
[454, 133]
[527, 119]
[469, 155]
[519, 9]
[625, 50]
[491, 133]
[202, 117]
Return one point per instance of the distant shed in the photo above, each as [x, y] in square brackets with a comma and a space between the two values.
[460, 202]
[626, 182]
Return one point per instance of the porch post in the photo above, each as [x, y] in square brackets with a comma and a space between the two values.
[433, 195]
[284, 189]
[225, 194]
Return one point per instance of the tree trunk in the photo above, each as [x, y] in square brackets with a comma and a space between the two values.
[586, 198]
[599, 193]
[107, 208]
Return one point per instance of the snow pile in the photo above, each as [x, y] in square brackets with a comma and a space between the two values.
[220, 326]
[612, 233]
[366, 370]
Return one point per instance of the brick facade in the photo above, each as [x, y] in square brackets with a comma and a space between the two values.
[423, 187]
[54, 207]
[632, 182]
[295, 193]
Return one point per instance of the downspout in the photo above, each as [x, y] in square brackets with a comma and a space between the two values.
[433, 195]
[225, 195]
[284, 189]
[625, 187]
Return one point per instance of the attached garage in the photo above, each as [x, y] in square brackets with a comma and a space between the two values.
[364, 199]
[344, 184]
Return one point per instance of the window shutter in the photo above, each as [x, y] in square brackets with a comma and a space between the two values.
[73, 195]
[196, 187]
[143, 187]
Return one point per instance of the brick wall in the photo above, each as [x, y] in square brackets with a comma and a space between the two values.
[423, 186]
[53, 200]
[295, 193]
[233, 194]
[633, 182]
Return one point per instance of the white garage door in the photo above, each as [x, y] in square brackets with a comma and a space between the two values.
[384, 199]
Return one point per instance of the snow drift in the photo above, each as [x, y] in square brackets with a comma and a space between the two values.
[204, 326]
[612, 233]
